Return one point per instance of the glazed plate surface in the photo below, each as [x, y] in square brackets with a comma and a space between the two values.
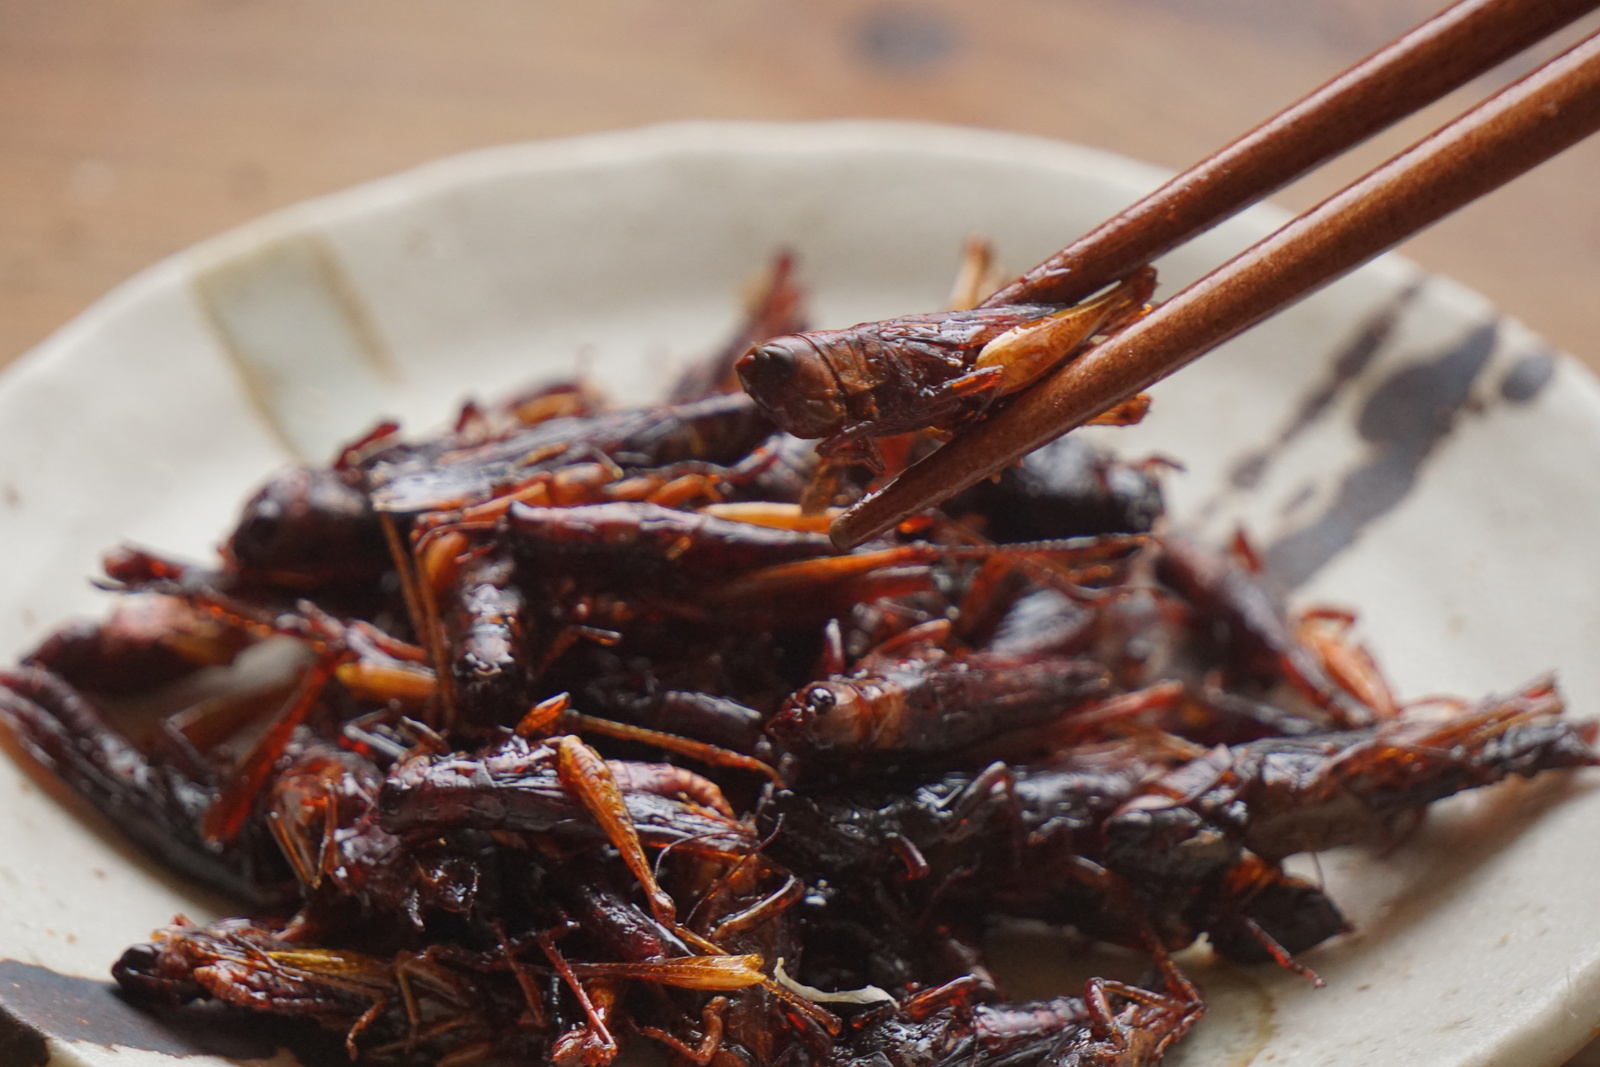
[1392, 443]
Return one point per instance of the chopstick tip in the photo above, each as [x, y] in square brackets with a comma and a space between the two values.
[845, 534]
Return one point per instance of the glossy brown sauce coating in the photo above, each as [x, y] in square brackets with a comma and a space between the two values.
[569, 759]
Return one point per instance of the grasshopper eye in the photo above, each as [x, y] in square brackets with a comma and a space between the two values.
[769, 369]
[774, 361]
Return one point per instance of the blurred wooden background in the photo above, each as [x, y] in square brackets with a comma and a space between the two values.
[132, 128]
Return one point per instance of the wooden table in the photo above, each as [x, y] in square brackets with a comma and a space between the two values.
[132, 128]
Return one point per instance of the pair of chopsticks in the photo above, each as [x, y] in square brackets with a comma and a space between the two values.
[1510, 133]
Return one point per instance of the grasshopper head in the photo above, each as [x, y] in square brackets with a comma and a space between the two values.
[790, 379]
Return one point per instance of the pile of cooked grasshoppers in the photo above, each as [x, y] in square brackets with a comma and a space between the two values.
[579, 731]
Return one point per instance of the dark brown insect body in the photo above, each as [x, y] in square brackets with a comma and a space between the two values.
[935, 702]
[519, 787]
[414, 1007]
[632, 544]
[884, 378]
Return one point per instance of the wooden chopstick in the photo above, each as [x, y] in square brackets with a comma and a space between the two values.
[1404, 76]
[1510, 133]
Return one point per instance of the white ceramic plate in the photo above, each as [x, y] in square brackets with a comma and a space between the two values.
[1393, 442]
